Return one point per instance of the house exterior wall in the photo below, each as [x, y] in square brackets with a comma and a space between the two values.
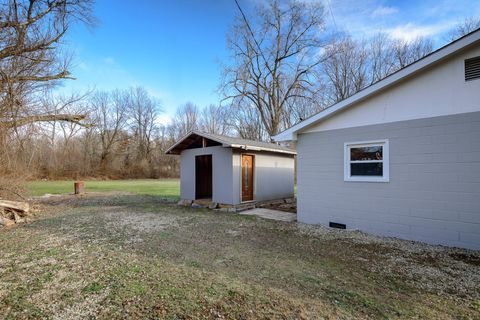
[438, 91]
[434, 190]
[222, 178]
[274, 176]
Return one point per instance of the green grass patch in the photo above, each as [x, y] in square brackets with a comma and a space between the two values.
[17, 300]
[48, 277]
[93, 287]
[160, 187]
[476, 305]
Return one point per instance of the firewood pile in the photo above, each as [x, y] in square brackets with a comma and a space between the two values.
[12, 212]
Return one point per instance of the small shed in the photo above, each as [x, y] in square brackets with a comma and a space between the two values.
[232, 171]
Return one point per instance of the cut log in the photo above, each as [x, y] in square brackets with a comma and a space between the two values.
[17, 218]
[20, 207]
[6, 222]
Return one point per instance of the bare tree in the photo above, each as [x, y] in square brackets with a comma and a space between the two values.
[247, 124]
[407, 52]
[214, 119]
[30, 55]
[352, 65]
[302, 109]
[467, 26]
[111, 115]
[381, 60]
[167, 165]
[186, 119]
[275, 56]
[345, 68]
[31, 62]
[144, 111]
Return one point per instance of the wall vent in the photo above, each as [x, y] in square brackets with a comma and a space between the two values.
[472, 68]
[337, 225]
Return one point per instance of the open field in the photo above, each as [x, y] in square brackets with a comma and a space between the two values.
[136, 256]
[163, 187]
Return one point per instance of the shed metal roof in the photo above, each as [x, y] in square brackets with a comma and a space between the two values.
[228, 142]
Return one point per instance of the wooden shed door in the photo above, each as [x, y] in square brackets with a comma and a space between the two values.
[247, 177]
[203, 177]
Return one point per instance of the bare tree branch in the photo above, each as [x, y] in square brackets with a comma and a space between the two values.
[43, 118]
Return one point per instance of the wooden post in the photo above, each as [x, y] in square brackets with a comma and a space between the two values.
[79, 187]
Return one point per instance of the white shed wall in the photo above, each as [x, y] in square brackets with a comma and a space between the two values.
[274, 176]
[222, 177]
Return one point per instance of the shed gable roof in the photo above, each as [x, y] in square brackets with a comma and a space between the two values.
[429, 60]
[227, 142]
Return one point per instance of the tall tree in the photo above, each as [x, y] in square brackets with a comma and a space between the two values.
[214, 119]
[31, 57]
[110, 118]
[144, 111]
[274, 58]
[351, 65]
[345, 68]
[186, 119]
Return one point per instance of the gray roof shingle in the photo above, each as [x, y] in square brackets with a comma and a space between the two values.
[231, 142]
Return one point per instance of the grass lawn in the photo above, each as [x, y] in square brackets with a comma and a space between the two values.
[163, 187]
[140, 257]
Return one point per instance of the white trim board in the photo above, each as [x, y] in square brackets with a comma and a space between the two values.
[385, 161]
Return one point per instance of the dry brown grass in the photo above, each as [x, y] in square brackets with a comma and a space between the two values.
[130, 256]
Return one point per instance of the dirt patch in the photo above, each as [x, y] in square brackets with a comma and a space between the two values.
[142, 222]
[127, 256]
[470, 258]
[288, 205]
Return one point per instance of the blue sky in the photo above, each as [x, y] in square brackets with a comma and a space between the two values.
[175, 48]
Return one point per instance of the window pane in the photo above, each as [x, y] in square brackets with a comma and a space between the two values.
[366, 153]
[245, 176]
[366, 169]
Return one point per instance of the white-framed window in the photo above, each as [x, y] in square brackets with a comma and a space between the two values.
[367, 161]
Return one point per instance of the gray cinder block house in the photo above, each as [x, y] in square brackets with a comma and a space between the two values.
[401, 157]
[231, 170]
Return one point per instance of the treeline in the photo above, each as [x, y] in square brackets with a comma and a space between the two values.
[121, 138]
[124, 138]
[284, 66]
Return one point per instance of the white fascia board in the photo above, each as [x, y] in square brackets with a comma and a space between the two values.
[253, 148]
[435, 57]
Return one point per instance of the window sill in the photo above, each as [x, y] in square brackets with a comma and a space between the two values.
[366, 179]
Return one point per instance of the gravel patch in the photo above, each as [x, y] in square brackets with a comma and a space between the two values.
[143, 222]
[432, 268]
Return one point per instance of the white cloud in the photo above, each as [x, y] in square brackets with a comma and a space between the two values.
[411, 31]
[384, 11]
[164, 119]
[428, 18]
